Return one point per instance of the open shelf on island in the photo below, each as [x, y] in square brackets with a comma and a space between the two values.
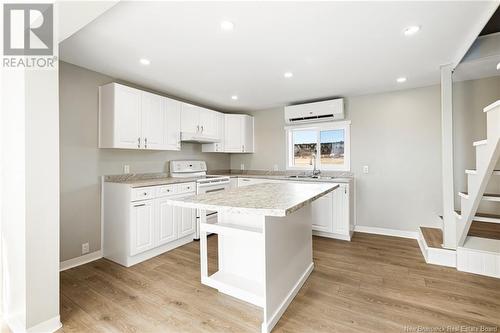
[236, 286]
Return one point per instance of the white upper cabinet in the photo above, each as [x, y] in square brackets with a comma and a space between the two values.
[134, 119]
[217, 147]
[199, 124]
[238, 133]
[120, 117]
[154, 121]
[173, 134]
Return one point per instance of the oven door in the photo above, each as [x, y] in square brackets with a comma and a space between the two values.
[211, 215]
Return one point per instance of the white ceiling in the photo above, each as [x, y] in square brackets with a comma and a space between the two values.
[332, 48]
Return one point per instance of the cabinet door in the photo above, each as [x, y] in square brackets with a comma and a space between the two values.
[173, 118]
[341, 210]
[186, 220]
[167, 228]
[154, 124]
[322, 213]
[208, 123]
[247, 133]
[190, 118]
[127, 114]
[141, 227]
[232, 130]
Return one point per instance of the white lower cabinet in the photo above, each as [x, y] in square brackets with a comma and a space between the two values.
[186, 218]
[167, 228]
[332, 214]
[139, 224]
[142, 221]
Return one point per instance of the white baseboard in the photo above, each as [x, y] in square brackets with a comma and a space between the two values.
[49, 326]
[331, 235]
[441, 257]
[386, 232]
[268, 326]
[67, 264]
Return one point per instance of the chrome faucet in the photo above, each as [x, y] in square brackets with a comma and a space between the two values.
[315, 171]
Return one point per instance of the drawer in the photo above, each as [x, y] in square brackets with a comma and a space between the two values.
[142, 193]
[186, 188]
[165, 190]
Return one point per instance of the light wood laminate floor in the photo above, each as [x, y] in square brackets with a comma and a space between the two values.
[372, 284]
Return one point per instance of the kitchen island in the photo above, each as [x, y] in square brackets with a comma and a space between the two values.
[264, 242]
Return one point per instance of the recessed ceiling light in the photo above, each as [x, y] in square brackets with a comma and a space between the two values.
[411, 30]
[401, 80]
[226, 25]
[288, 75]
[234, 97]
[144, 61]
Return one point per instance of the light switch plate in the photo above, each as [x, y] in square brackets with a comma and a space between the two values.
[126, 168]
[365, 169]
[242, 166]
[275, 167]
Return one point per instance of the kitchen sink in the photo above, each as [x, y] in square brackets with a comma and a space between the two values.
[309, 177]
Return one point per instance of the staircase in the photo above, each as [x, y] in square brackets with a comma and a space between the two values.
[478, 234]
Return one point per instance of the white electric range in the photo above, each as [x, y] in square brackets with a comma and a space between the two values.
[204, 183]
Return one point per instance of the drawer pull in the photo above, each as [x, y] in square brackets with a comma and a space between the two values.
[145, 193]
[140, 205]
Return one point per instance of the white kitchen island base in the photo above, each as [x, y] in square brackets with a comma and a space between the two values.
[263, 260]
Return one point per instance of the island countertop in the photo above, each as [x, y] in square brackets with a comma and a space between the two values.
[267, 199]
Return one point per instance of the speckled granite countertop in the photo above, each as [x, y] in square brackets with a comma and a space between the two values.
[155, 179]
[323, 179]
[276, 199]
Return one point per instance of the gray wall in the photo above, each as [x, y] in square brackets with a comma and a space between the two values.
[398, 135]
[82, 163]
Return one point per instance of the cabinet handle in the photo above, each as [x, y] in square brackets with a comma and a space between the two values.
[201, 128]
[140, 205]
[197, 128]
[243, 148]
[145, 142]
[139, 142]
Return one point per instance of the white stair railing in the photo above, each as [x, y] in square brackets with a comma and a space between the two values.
[487, 155]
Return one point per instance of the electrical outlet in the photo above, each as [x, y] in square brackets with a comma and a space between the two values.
[242, 166]
[275, 167]
[85, 248]
[126, 168]
[365, 169]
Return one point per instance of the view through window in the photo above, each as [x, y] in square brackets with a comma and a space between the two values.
[325, 145]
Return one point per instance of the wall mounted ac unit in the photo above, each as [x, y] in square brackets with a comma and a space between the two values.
[315, 112]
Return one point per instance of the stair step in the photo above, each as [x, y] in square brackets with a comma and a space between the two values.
[492, 106]
[486, 196]
[433, 237]
[485, 230]
[482, 217]
[474, 171]
[480, 143]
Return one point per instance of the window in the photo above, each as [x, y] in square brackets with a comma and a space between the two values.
[326, 144]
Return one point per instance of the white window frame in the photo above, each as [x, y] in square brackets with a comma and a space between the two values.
[344, 125]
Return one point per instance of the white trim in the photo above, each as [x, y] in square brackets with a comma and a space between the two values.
[48, 326]
[324, 125]
[268, 326]
[331, 235]
[441, 257]
[74, 262]
[341, 125]
[386, 232]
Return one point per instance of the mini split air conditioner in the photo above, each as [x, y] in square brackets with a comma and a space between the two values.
[315, 112]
